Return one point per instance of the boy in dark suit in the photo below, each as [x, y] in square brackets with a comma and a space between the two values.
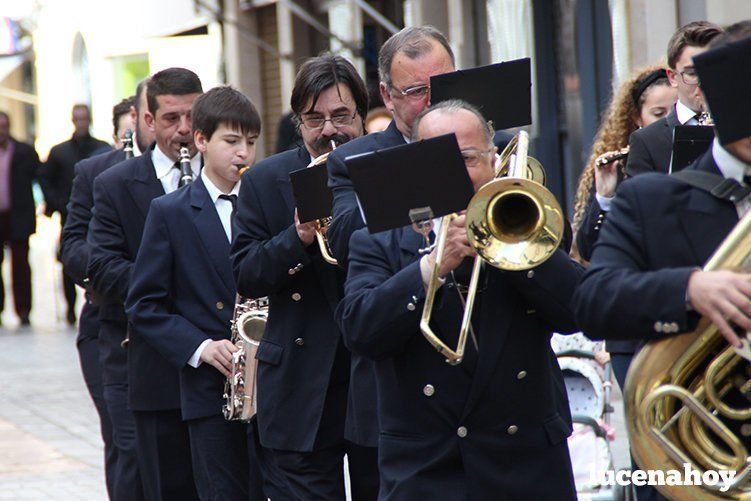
[182, 291]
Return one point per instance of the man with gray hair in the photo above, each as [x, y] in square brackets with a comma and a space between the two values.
[494, 426]
[406, 62]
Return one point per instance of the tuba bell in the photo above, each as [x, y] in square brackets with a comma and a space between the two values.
[513, 222]
[688, 397]
[248, 324]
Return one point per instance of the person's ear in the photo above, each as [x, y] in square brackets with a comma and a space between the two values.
[200, 139]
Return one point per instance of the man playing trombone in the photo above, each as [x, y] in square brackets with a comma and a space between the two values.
[495, 425]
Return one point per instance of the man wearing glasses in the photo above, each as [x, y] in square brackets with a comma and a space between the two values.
[651, 147]
[304, 384]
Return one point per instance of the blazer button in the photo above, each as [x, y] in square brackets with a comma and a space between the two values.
[658, 326]
[531, 274]
[291, 271]
[428, 390]
[521, 375]
[296, 296]
[299, 341]
[219, 305]
[512, 429]
[461, 432]
[411, 306]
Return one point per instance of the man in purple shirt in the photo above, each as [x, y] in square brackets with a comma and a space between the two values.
[19, 167]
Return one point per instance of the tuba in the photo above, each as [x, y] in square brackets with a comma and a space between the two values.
[513, 222]
[248, 324]
[687, 397]
[323, 223]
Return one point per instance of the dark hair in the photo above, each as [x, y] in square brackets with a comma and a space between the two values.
[120, 109]
[696, 34]
[656, 77]
[5, 115]
[413, 42]
[172, 81]
[320, 73]
[140, 89]
[81, 106]
[452, 106]
[733, 33]
[224, 105]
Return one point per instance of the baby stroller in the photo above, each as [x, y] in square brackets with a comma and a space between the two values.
[588, 385]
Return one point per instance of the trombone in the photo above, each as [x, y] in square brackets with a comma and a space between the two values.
[513, 222]
[323, 223]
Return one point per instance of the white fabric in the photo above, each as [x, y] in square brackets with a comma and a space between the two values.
[223, 206]
[605, 202]
[195, 359]
[685, 115]
[168, 176]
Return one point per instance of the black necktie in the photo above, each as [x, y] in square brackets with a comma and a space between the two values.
[233, 200]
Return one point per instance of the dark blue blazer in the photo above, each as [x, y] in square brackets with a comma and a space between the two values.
[74, 249]
[423, 401]
[301, 356]
[651, 148]
[182, 292]
[658, 231]
[122, 196]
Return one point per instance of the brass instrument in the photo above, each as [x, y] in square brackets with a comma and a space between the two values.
[323, 223]
[513, 222]
[186, 173]
[128, 144]
[248, 324]
[676, 410]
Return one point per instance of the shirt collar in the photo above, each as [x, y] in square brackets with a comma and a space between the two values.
[683, 112]
[215, 192]
[163, 164]
[729, 165]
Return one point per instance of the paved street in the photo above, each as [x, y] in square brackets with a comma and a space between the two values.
[49, 440]
[50, 446]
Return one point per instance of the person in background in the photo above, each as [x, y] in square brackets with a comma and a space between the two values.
[19, 167]
[58, 173]
[651, 147]
[287, 136]
[123, 119]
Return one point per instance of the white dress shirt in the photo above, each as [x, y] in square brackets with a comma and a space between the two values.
[684, 114]
[168, 176]
[224, 210]
[732, 168]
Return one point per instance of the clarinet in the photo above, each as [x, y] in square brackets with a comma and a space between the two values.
[186, 174]
[128, 144]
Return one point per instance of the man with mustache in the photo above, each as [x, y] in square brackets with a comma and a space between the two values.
[122, 196]
[304, 383]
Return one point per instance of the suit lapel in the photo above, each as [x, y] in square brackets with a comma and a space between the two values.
[210, 230]
[144, 186]
[706, 220]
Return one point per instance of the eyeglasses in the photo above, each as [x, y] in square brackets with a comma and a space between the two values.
[336, 121]
[689, 76]
[472, 156]
[416, 92]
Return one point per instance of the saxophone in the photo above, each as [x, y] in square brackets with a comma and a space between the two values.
[248, 324]
[688, 397]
